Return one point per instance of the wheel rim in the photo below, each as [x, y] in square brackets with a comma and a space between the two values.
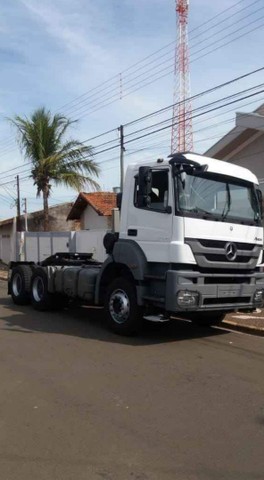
[119, 306]
[17, 284]
[38, 289]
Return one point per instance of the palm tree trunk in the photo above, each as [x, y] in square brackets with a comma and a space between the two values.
[46, 208]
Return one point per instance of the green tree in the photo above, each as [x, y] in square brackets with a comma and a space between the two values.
[54, 158]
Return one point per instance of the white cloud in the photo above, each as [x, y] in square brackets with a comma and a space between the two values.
[66, 28]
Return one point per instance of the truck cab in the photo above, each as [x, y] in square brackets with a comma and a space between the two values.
[191, 229]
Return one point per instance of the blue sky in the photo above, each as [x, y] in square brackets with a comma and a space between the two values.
[54, 51]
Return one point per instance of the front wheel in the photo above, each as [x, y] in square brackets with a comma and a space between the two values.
[207, 319]
[123, 315]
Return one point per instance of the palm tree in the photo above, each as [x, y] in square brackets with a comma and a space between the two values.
[53, 158]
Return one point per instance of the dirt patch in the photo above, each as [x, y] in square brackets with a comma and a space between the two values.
[3, 271]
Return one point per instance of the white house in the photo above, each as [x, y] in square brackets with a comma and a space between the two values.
[93, 210]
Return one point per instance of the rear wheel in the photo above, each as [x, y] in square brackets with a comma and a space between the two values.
[20, 284]
[206, 319]
[123, 315]
[41, 298]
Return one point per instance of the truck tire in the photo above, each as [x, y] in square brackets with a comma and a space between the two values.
[41, 298]
[207, 319]
[20, 284]
[123, 315]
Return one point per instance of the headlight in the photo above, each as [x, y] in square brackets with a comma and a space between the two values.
[186, 298]
[258, 297]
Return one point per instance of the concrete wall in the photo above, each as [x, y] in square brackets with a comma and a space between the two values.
[91, 242]
[36, 246]
[8, 242]
[90, 220]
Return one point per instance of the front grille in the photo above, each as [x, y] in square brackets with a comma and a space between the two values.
[225, 300]
[212, 257]
[222, 244]
[226, 280]
[211, 254]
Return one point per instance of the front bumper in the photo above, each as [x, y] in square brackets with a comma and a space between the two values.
[216, 291]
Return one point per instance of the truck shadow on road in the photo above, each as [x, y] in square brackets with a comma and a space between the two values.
[89, 323]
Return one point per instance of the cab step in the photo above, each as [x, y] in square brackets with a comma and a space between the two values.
[157, 318]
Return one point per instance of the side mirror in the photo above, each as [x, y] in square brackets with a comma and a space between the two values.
[144, 186]
[119, 200]
[259, 195]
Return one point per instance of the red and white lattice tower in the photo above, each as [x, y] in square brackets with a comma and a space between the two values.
[181, 134]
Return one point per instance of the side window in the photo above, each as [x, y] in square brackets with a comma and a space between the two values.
[158, 197]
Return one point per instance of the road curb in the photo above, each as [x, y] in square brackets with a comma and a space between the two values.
[243, 328]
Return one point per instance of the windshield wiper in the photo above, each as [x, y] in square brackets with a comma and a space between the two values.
[227, 204]
[201, 210]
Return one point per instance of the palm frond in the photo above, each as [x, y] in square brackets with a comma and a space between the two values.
[65, 162]
[76, 181]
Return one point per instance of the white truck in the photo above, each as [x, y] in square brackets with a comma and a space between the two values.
[190, 245]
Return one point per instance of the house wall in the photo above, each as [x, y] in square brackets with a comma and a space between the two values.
[90, 220]
[251, 157]
[57, 220]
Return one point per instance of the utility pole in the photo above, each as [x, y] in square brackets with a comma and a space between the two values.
[25, 214]
[122, 150]
[18, 204]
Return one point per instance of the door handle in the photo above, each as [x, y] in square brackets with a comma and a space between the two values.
[132, 232]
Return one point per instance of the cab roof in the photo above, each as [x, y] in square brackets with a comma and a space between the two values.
[214, 166]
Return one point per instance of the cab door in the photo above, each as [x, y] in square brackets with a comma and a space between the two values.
[150, 224]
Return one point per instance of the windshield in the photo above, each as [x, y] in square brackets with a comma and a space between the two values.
[220, 197]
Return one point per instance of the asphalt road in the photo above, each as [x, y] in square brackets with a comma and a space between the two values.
[79, 403]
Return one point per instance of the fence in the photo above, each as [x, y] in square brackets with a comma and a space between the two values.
[5, 248]
[36, 246]
[8, 242]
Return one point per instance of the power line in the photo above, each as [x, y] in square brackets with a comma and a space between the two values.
[194, 116]
[153, 78]
[131, 67]
[229, 17]
[228, 35]
[117, 94]
[199, 108]
[4, 199]
[151, 115]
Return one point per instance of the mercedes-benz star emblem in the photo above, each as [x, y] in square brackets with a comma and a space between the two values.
[231, 251]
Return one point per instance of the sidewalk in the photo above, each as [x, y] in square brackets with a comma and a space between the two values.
[245, 322]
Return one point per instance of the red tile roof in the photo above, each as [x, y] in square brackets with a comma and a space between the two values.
[102, 203]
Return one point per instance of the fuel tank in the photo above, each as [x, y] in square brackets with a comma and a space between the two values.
[76, 282]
